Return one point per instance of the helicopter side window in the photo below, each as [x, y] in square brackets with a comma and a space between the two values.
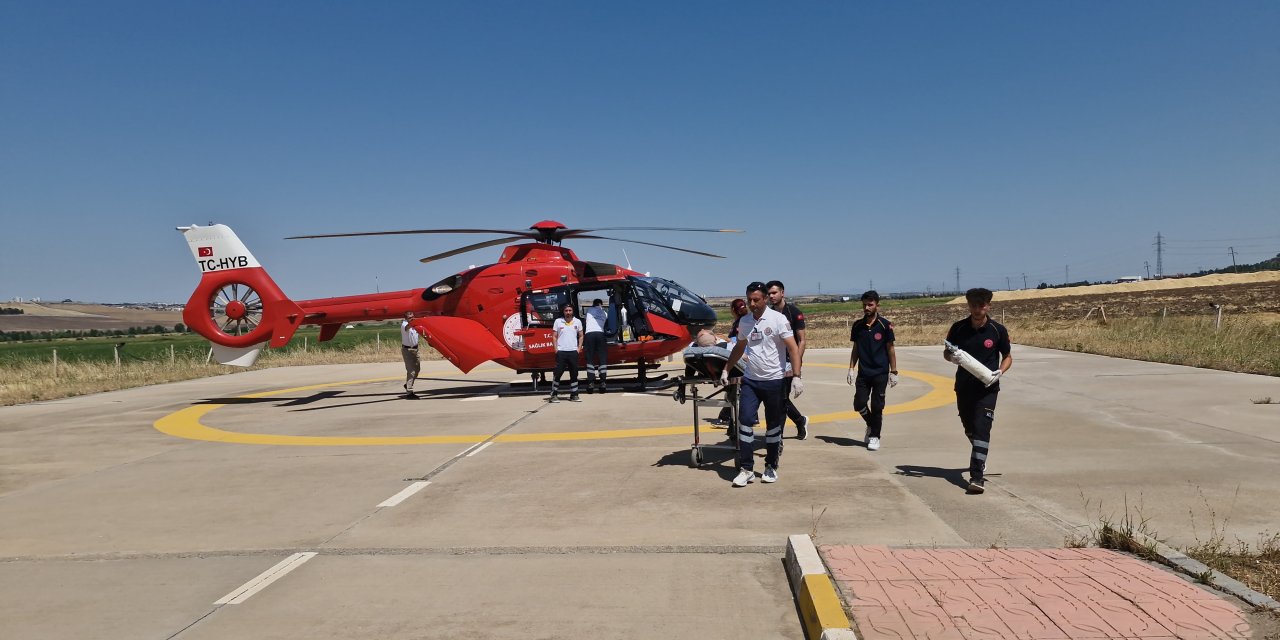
[673, 292]
[542, 309]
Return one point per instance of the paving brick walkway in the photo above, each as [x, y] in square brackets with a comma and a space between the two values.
[1028, 594]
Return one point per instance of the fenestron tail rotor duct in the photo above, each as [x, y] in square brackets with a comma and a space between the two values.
[236, 309]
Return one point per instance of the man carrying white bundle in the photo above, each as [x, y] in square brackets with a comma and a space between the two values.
[988, 342]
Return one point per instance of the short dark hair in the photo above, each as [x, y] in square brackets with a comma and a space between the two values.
[978, 295]
[598, 302]
[871, 296]
[756, 286]
[776, 283]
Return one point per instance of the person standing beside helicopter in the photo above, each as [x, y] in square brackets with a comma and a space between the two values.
[409, 351]
[568, 333]
[594, 344]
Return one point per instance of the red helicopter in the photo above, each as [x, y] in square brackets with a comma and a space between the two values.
[501, 312]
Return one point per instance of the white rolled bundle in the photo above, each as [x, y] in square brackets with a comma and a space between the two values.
[969, 363]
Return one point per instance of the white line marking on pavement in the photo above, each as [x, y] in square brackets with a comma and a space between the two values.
[408, 491]
[482, 448]
[646, 395]
[265, 578]
[479, 398]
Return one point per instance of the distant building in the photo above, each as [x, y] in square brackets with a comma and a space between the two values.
[1129, 279]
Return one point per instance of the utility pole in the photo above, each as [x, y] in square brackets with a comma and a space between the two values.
[1007, 287]
[1232, 250]
[1024, 281]
[871, 284]
[1066, 277]
[957, 278]
[1147, 264]
[1160, 255]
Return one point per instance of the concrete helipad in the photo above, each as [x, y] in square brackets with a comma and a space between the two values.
[317, 502]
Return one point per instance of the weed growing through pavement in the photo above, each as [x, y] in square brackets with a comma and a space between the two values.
[815, 520]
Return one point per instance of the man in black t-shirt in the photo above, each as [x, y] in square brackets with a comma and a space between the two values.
[778, 301]
[877, 363]
[988, 342]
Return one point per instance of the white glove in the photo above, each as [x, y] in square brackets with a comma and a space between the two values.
[797, 387]
[893, 380]
[995, 377]
[724, 377]
[849, 378]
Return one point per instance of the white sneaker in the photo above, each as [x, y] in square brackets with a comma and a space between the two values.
[744, 478]
[770, 474]
[873, 443]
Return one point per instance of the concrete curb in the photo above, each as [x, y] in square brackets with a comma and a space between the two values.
[820, 610]
[1179, 561]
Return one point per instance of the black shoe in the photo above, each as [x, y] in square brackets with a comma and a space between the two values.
[802, 428]
[574, 398]
[603, 389]
[976, 486]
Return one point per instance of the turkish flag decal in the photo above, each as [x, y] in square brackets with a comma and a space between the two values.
[205, 252]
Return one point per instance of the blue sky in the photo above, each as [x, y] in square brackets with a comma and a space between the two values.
[854, 142]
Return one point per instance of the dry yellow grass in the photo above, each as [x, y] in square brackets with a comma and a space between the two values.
[1218, 279]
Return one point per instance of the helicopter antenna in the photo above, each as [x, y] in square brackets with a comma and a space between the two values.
[624, 254]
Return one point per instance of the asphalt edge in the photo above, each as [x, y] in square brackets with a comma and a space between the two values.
[821, 612]
[1197, 570]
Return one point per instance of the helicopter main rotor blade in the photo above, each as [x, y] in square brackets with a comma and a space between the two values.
[652, 244]
[471, 247]
[521, 234]
[575, 231]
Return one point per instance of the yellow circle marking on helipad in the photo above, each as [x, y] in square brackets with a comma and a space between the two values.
[185, 423]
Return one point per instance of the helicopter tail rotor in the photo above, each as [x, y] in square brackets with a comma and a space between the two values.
[236, 306]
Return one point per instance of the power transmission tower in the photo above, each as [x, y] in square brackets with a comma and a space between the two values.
[1007, 286]
[1159, 255]
[1066, 274]
[1024, 281]
[957, 278]
[1147, 265]
[1233, 257]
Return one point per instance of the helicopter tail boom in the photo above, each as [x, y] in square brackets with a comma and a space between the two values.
[236, 305]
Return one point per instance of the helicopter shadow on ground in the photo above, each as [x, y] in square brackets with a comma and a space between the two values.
[954, 476]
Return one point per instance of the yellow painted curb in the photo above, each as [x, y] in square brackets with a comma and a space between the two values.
[820, 606]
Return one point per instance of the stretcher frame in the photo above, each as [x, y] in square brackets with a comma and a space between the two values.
[688, 389]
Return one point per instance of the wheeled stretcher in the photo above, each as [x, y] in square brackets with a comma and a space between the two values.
[702, 366]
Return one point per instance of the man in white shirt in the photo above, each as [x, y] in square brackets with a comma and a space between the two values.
[568, 333]
[409, 351]
[596, 347]
[763, 336]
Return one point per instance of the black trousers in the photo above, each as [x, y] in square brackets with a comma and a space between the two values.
[868, 400]
[566, 360]
[789, 407]
[977, 407]
[597, 352]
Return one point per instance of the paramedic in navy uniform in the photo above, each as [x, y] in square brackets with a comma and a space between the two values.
[778, 302]
[595, 346]
[764, 336]
[988, 342]
[877, 363]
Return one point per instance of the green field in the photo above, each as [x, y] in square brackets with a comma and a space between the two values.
[157, 347]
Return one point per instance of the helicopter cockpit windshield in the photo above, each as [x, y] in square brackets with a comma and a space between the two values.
[677, 303]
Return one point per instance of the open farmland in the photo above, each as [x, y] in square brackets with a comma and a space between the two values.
[84, 317]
